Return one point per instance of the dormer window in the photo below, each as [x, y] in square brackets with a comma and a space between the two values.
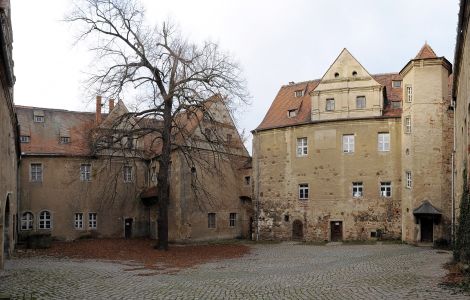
[396, 83]
[38, 116]
[299, 93]
[291, 113]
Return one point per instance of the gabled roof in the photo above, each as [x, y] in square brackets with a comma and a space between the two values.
[426, 208]
[426, 52]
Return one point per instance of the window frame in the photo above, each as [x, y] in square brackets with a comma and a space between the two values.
[78, 221]
[127, 174]
[85, 175]
[302, 147]
[211, 221]
[409, 93]
[38, 175]
[348, 146]
[65, 140]
[25, 139]
[28, 222]
[328, 106]
[409, 180]
[358, 189]
[364, 103]
[92, 221]
[38, 119]
[396, 81]
[43, 221]
[298, 93]
[408, 124]
[232, 219]
[382, 144]
[303, 191]
[291, 113]
[386, 189]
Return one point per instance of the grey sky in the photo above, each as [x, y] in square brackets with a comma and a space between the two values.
[274, 41]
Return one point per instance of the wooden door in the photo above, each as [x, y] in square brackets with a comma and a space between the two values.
[336, 231]
[128, 228]
[297, 230]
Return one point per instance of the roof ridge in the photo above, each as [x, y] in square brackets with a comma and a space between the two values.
[54, 109]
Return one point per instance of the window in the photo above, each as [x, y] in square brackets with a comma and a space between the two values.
[408, 179]
[127, 172]
[45, 220]
[92, 221]
[78, 221]
[330, 105]
[303, 191]
[232, 219]
[302, 147]
[396, 83]
[211, 220]
[408, 124]
[85, 172]
[409, 93]
[27, 220]
[360, 102]
[336, 75]
[299, 93]
[384, 141]
[396, 104]
[229, 138]
[247, 180]
[36, 172]
[64, 140]
[348, 143]
[39, 119]
[129, 142]
[354, 73]
[357, 189]
[24, 138]
[386, 189]
[291, 113]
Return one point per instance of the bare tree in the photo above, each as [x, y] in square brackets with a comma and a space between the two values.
[173, 76]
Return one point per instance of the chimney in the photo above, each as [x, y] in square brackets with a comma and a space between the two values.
[111, 104]
[98, 110]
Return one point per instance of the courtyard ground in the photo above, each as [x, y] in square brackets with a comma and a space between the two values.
[266, 271]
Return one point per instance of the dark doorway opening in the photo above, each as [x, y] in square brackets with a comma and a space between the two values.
[128, 228]
[336, 231]
[250, 229]
[427, 227]
[6, 229]
[297, 230]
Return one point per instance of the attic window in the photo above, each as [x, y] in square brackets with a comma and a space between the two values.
[292, 113]
[299, 93]
[396, 83]
[396, 104]
[354, 73]
[336, 75]
[38, 116]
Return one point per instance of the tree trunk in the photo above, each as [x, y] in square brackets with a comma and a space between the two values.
[163, 179]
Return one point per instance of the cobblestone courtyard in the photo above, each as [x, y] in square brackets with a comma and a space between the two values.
[278, 271]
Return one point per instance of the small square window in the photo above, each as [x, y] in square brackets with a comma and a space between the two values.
[396, 83]
[64, 140]
[232, 219]
[39, 119]
[303, 191]
[291, 113]
[360, 102]
[357, 189]
[299, 93]
[24, 138]
[302, 146]
[386, 189]
[211, 220]
[330, 104]
[396, 104]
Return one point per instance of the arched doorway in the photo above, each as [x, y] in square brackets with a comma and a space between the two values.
[297, 230]
[6, 229]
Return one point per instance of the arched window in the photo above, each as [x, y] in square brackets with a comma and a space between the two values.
[27, 221]
[45, 220]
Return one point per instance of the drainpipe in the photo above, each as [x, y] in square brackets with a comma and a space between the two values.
[453, 178]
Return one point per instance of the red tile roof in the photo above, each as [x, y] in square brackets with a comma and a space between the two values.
[426, 52]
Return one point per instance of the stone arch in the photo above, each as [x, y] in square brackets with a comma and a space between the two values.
[297, 230]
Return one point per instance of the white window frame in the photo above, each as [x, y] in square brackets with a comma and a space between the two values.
[396, 86]
[211, 220]
[35, 172]
[92, 220]
[386, 189]
[85, 172]
[409, 179]
[45, 220]
[302, 146]
[348, 143]
[298, 93]
[357, 189]
[303, 191]
[27, 221]
[363, 103]
[38, 119]
[78, 218]
[128, 174]
[408, 124]
[232, 219]
[25, 139]
[383, 141]
[330, 104]
[409, 93]
[65, 140]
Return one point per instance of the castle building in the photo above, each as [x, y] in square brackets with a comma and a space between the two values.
[357, 156]
[89, 175]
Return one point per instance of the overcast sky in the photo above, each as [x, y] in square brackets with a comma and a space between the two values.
[274, 41]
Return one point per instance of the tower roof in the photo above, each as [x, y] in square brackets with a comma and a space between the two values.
[426, 52]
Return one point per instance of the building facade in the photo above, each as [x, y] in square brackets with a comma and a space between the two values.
[85, 175]
[9, 151]
[355, 156]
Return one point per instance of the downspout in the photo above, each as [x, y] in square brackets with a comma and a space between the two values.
[453, 177]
